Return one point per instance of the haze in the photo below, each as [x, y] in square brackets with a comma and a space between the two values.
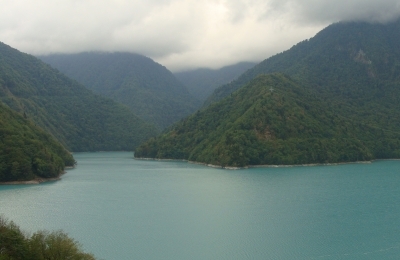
[178, 34]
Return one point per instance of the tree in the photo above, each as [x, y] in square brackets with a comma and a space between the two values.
[42, 245]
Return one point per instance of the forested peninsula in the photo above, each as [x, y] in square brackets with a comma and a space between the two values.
[27, 152]
[273, 121]
[333, 98]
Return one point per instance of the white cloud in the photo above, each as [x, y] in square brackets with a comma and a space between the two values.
[178, 34]
[317, 11]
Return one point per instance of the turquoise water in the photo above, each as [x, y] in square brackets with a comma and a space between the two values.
[120, 208]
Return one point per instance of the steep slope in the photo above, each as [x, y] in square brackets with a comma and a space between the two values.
[353, 62]
[338, 56]
[202, 82]
[79, 119]
[26, 151]
[147, 88]
[272, 120]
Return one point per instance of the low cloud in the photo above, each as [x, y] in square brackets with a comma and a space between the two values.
[178, 34]
[315, 11]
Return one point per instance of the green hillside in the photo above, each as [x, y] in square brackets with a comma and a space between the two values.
[26, 151]
[202, 82]
[272, 120]
[79, 119]
[354, 67]
[147, 88]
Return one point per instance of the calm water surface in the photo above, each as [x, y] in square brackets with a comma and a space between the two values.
[120, 208]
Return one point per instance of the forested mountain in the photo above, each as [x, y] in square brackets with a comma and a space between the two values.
[79, 119]
[341, 104]
[352, 60]
[150, 90]
[202, 82]
[272, 120]
[26, 151]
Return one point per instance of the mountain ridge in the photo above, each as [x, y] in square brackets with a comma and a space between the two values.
[150, 90]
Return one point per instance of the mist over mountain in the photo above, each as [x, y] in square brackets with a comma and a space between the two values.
[339, 101]
[150, 90]
[340, 59]
[202, 82]
[74, 115]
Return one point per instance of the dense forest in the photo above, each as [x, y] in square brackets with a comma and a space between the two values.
[272, 120]
[42, 245]
[202, 82]
[26, 151]
[147, 88]
[78, 118]
[341, 103]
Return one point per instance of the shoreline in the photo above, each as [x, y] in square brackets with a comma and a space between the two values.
[36, 181]
[265, 165]
[278, 165]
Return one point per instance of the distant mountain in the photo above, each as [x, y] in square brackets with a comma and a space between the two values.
[272, 120]
[147, 88]
[79, 119]
[341, 103]
[26, 151]
[202, 82]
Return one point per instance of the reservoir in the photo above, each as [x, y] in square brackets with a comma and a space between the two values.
[121, 208]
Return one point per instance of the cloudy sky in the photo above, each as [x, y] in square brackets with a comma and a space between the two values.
[179, 34]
